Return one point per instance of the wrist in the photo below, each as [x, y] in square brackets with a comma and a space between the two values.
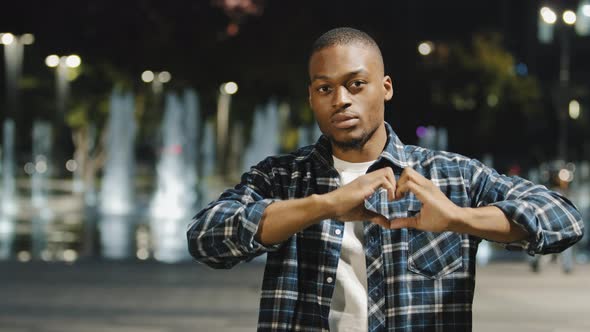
[325, 205]
[460, 221]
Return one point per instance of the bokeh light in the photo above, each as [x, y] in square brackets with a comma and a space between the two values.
[421, 131]
[548, 15]
[147, 76]
[7, 38]
[52, 61]
[574, 109]
[27, 39]
[73, 61]
[229, 88]
[569, 17]
[425, 48]
[164, 77]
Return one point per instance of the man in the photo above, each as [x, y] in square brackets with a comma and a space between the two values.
[364, 233]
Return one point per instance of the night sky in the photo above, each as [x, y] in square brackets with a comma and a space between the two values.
[268, 55]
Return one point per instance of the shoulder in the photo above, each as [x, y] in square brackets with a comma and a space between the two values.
[285, 162]
[443, 163]
[428, 158]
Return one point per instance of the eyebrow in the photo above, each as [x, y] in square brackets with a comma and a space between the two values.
[348, 75]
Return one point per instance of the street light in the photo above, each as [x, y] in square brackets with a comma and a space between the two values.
[547, 21]
[73, 61]
[569, 17]
[548, 15]
[13, 59]
[7, 38]
[65, 72]
[52, 61]
[157, 79]
[229, 88]
[226, 90]
[426, 47]
[574, 109]
[13, 56]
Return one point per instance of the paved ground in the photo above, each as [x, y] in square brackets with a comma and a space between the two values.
[150, 297]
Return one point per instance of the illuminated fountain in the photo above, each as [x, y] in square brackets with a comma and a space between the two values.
[117, 195]
[208, 150]
[175, 198]
[39, 174]
[8, 205]
[13, 59]
[265, 135]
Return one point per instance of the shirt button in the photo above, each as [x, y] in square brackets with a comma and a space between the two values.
[329, 280]
[338, 232]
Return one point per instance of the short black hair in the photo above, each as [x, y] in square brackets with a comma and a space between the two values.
[344, 36]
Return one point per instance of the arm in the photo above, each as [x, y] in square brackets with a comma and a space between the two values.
[440, 214]
[222, 234]
[283, 219]
[508, 209]
[552, 222]
[488, 222]
[247, 221]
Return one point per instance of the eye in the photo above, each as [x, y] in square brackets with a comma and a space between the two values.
[324, 89]
[357, 84]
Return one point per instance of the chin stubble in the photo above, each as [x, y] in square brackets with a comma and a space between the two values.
[355, 143]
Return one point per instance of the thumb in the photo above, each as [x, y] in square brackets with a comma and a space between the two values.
[409, 222]
[380, 220]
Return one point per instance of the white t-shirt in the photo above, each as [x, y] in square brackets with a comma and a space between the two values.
[348, 309]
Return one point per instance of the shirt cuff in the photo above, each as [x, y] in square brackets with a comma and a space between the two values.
[520, 213]
[250, 224]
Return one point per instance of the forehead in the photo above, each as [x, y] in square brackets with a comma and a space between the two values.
[341, 59]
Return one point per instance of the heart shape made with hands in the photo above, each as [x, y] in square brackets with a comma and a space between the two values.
[391, 210]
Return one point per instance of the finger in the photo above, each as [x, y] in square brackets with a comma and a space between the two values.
[414, 175]
[411, 186]
[375, 218]
[385, 179]
[390, 179]
[390, 190]
[401, 190]
[409, 222]
[369, 194]
[381, 221]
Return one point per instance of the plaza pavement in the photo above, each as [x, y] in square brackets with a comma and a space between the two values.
[151, 297]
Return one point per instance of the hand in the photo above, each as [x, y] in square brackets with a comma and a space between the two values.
[347, 203]
[438, 213]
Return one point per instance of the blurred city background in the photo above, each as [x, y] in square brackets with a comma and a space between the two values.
[122, 119]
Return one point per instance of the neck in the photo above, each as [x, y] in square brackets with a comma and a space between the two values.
[368, 152]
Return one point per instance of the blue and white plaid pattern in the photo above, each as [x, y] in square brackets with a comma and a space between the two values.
[417, 281]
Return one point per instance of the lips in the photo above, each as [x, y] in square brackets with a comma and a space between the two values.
[344, 121]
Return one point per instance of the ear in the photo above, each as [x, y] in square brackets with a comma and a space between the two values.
[387, 87]
[309, 95]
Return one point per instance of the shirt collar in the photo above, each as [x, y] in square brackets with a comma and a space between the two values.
[393, 153]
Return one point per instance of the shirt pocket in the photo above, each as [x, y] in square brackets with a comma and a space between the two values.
[434, 255]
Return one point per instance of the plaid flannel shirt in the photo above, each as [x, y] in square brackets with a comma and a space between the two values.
[417, 280]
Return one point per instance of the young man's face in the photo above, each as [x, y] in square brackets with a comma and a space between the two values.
[347, 93]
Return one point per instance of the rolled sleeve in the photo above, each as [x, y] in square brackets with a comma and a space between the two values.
[223, 234]
[551, 220]
[248, 225]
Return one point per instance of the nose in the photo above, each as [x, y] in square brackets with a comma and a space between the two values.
[341, 98]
